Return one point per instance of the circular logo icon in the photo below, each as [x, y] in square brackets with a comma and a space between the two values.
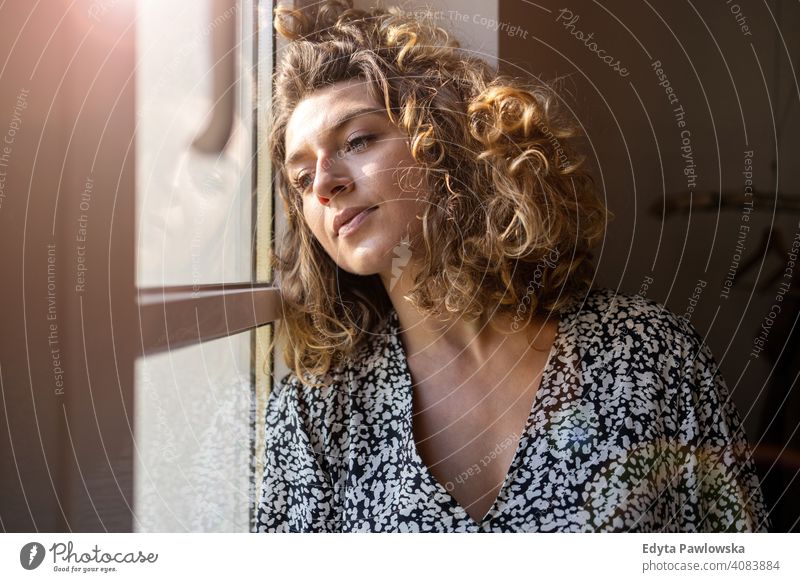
[31, 555]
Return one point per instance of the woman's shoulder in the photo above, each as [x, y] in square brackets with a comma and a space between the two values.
[612, 315]
[614, 305]
[307, 419]
[317, 410]
[310, 395]
[378, 351]
[635, 337]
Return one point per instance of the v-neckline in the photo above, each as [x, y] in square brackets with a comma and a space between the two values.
[522, 443]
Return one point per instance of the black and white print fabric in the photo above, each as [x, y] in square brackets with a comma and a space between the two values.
[632, 429]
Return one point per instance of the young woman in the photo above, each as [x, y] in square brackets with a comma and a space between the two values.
[453, 369]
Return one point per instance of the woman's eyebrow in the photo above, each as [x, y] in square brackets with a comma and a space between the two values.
[337, 124]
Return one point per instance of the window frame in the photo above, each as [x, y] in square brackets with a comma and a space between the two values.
[67, 436]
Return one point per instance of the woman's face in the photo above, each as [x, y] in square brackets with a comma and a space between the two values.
[347, 159]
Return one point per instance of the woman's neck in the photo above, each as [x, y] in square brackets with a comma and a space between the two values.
[452, 337]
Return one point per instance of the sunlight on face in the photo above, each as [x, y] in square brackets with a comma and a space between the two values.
[345, 156]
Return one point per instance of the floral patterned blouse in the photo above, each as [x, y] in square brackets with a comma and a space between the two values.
[631, 430]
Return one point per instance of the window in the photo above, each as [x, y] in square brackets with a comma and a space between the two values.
[134, 364]
[200, 194]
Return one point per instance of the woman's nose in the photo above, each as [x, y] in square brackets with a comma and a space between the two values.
[331, 179]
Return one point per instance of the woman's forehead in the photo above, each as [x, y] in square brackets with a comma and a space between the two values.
[326, 110]
[325, 103]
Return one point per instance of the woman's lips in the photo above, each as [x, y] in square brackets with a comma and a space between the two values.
[352, 225]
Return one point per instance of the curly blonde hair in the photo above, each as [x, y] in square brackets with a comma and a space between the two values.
[515, 212]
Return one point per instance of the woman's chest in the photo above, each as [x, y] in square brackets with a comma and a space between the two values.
[467, 426]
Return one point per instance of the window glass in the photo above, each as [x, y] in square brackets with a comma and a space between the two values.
[194, 203]
[194, 427]
[195, 407]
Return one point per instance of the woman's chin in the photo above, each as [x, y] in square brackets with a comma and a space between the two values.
[365, 261]
[360, 268]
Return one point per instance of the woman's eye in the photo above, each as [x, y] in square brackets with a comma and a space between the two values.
[354, 145]
[358, 143]
[302, 182]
